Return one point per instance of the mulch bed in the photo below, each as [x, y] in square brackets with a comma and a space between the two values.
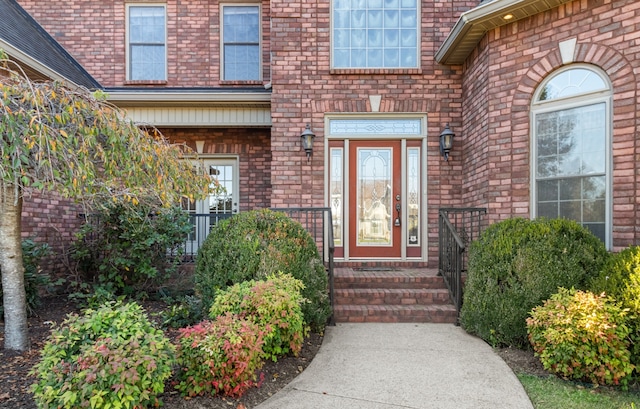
[15, 380]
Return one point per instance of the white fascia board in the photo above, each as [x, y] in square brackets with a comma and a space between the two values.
[187, 97]
[36, 65]
[474, 24]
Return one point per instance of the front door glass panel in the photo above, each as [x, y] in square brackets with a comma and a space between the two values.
[374, 201]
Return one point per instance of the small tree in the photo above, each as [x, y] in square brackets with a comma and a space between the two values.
[58, 138]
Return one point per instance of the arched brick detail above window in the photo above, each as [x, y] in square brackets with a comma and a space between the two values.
[625, 124]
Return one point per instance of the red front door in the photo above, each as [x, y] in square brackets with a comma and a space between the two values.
[375, 200]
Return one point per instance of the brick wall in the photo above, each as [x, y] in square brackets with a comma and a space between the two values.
[94, 33]
[49, 218]
[305, 88]
[517, 57]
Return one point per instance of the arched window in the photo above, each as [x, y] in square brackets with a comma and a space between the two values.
[571, 125]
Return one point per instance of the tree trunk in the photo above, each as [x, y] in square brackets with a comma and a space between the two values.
[14, 295]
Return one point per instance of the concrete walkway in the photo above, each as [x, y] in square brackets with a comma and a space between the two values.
[391, 366]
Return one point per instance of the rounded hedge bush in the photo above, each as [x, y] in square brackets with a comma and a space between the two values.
[256, 244]
[620, 279]
[109, 357]
[518, 263]
[582, 336]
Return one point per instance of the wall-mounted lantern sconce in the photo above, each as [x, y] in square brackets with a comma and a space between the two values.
[446, 142]
[307, 141]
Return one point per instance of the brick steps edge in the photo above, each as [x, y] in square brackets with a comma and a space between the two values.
[445, 314]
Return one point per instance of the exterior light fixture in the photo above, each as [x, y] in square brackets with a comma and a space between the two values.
[507, 16]
[446, 142]
[307, 141]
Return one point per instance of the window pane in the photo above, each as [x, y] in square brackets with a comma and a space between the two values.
[549, 210]
[571, 152]
[240, 62]
[241, 37]
[547, 190]
[147, 62]
[147, 43]
[572, 82]
[375, 34]
[146, 25]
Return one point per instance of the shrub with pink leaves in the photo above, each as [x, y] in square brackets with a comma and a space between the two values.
[219, 357]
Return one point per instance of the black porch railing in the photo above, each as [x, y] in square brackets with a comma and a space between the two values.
[318, 222]
[456, 229]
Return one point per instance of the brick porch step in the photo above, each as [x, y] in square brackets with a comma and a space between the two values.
[391, 295]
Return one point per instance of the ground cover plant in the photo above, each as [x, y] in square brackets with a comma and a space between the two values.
[255, 244]
[517, 264]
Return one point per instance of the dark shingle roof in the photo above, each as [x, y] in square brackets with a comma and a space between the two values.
[19, 30]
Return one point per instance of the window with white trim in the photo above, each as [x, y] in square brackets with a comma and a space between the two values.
[241, 42]
[571, 145]
[147, 59]
[375, 33]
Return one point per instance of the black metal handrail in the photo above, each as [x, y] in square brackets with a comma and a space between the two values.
[456, 229]
[318, 222]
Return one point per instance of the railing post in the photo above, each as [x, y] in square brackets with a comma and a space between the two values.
[453, 239]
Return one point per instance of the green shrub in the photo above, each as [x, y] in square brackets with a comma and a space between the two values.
[274, 305]
[109, 357]
[515, 265]
[582, 336]
[255, 244]
[34, 279]
[620, 279]
[219, 356]
[130, 247]
[186, 311]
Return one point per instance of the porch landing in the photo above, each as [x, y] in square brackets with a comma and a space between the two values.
[391, 294]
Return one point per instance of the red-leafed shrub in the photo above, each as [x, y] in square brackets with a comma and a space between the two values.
[219, 356]
[274, 305]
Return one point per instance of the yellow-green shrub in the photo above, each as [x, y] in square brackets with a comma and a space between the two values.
[582, 336]
[274, 305]
[105, 358]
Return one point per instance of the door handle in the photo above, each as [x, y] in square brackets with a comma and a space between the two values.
[397, 221]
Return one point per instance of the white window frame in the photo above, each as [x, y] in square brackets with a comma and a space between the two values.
[129, 58]
[418, 29]
[223, 74]
[565, 103]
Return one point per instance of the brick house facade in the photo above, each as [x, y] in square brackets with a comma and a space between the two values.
[482, 74]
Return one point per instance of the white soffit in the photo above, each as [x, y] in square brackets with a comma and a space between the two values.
[475, 23]
[201, 116]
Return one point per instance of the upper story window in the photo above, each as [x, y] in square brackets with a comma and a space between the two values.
[147, 42]
[241, 42]
[375, 34]
[571, 145]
